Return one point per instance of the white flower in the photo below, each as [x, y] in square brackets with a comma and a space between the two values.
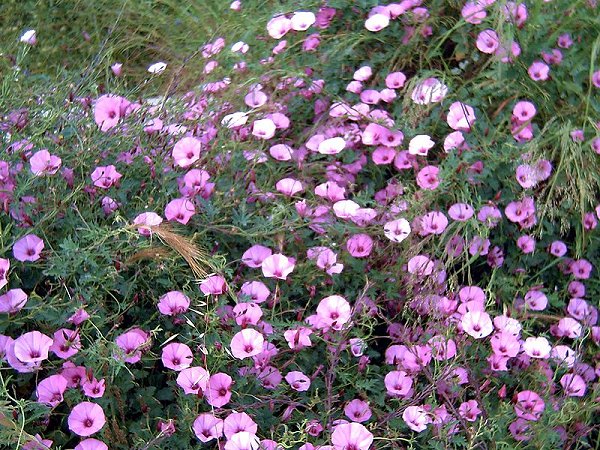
[29, 37]
[157, 68]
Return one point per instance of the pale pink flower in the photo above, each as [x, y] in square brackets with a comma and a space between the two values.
[398, 384]
[461, 116]
[334, 311]
[105, 177]
[397, 230]
[537, 347]
[302, 20]
[539, 71]
[214, 285]
[487, 41]
[298, 381]
[298, 338]
[256, 291]
[477, 324]
[277, 266]
[358, 410]
[263, 128]
[107, 111]
[219, 389]
[529, 405]
[420, 145]
[243, 440]
[420, 265]
[177, 356]
[91, 444]
[86, 418]
[50, 390]
[430, 90]
[207, 427]
[187, 151]
[173, 303]
[4, 266]
[359, 245]
[28, 248]
[289, 186]
[131, 344]
[331, 146]
[237, 422]
[193, 380]
[180, 210]
[247, 343]
[416, 418]
[146, 221]
[32, 347]
[255, 255]
[395, 80]
[29, 37]
[13, 301]
[377, 22]
[573, 385]
[43, 163]
[278, 26]
[351, 436]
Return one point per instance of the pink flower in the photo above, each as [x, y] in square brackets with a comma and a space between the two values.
[255, 255]
[298, 381]
[117, 69]
[146, 221]
[243, 440]
[537, 347]
[219, 389]
[461, 117]
[488, 41]
[43, 163]
[107, 111]
[91, 444]
[51, 389]
[247, 343]
[420, 266]
[359, 245]
[105, 177]
[416, 418]
[474, 12]
[397, 230]
[505, 344]
[66, 343]
[214, 285]
[539, 71]
[573, 385]
[430, 90]
[207, 427]
[298, 338]
[86, 418]
[187, 151]
[177, 356]
[289, 186]
[529, 405]
[238, 422]
[428, 178]
[461, 212]
[351, 436]
[193, 380]
[358, 410]
[94, 388]
[536, 300]
[524, 111]
[180, 210]
[256, 291]
[334, 311]
[131, 344]
[32, 347]
[469, 410]
[398, 384]
[173, 303]
[395, 80]
[13, 301]
[278, 26]
[477, 324]
[277, 266]
[4, 266]
[28, 248]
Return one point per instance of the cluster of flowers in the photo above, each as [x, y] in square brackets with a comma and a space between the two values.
[455, 351]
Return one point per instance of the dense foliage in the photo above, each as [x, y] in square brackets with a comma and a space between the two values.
[338, 225]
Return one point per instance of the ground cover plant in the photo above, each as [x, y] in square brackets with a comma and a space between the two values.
[309, 225]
